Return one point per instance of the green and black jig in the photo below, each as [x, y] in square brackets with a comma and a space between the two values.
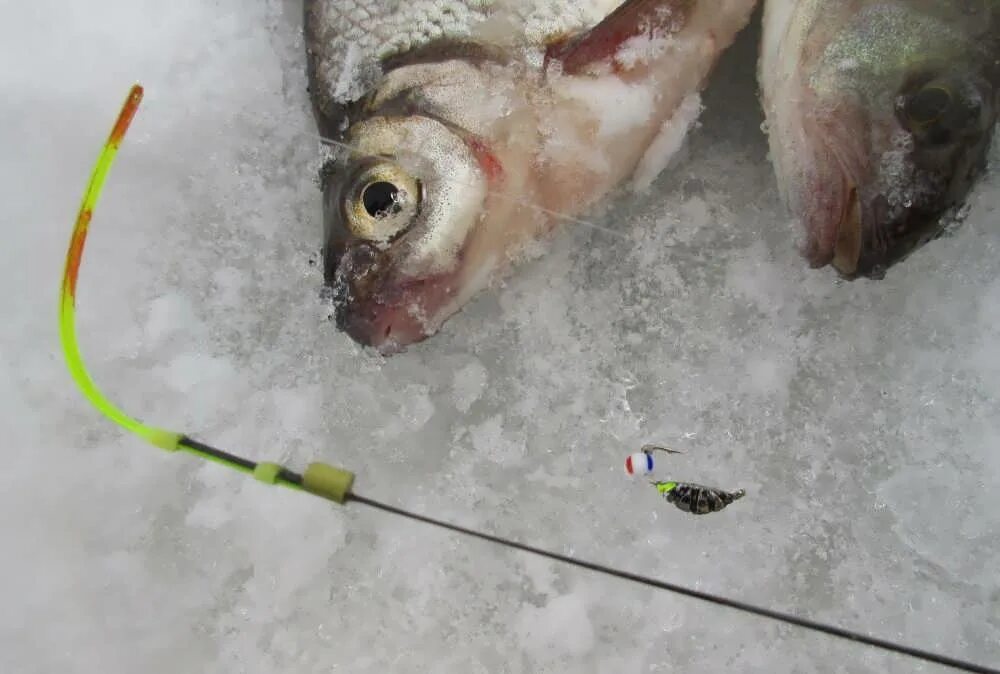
[690, 497]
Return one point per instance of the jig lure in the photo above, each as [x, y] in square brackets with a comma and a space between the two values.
[697, 499]
[690, 497]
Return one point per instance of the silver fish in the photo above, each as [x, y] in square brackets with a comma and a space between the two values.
[465, 130]
[880, 114]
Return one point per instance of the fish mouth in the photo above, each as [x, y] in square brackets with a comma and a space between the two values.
[863, 219]
[849, 221]
[871, 235]
[378, 309]
[865, 241]
[389, 326]
[828, 164]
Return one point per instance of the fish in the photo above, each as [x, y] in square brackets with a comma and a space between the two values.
[880, 116]
[459, 133]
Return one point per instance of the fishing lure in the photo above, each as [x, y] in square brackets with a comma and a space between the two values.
[696, 499]
[642, 461]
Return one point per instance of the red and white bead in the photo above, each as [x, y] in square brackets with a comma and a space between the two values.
[639, 463]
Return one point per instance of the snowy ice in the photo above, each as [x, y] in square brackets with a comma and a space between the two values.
[860, 417]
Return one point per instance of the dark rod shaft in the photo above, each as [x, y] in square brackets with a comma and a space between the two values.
[832, 630]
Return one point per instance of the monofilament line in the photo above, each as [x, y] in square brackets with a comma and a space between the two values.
[717, 600]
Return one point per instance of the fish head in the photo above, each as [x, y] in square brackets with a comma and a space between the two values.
[415, 215]
[897, 114]
[398, 216]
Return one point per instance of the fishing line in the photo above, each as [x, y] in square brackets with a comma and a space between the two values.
[832, 630]
[335, 484]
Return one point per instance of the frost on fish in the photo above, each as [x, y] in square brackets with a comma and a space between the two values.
[471, 144]
[879, 115]
[358, 35]
[667, 142]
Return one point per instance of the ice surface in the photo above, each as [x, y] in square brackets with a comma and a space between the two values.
[861, 418]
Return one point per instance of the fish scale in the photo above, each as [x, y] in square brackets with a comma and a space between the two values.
[367, 31]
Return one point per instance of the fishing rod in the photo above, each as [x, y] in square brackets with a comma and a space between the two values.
[336, 484]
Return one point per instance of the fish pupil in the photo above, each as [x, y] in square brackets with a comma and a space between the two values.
[928, 104]
[381, 199]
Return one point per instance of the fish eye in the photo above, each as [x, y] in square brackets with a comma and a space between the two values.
[928, 104]
[942, 110]
[382, 204]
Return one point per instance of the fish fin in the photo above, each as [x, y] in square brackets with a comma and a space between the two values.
[633, 18]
